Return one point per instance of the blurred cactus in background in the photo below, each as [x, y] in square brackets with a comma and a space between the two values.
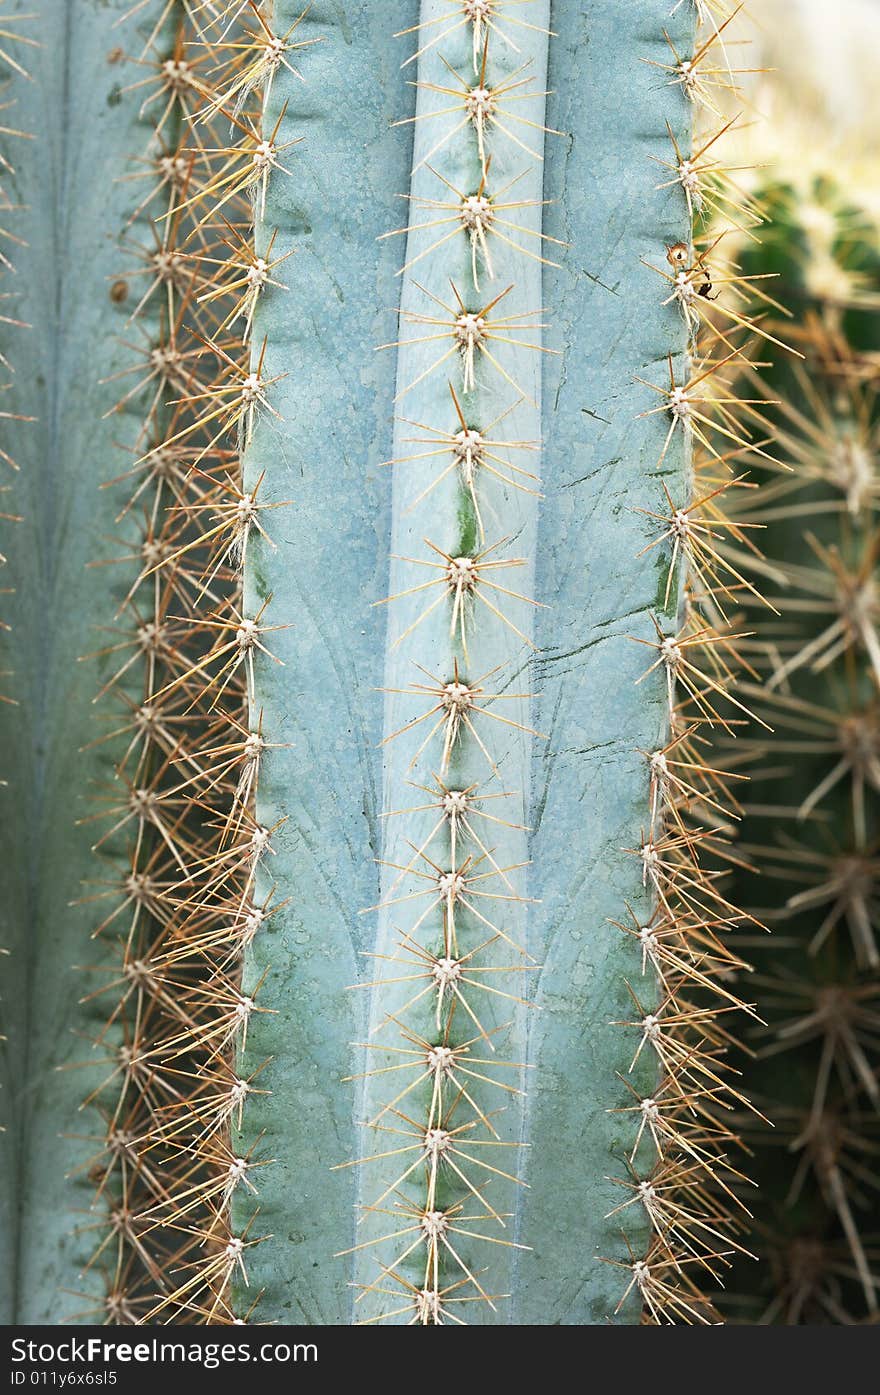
[809, 841]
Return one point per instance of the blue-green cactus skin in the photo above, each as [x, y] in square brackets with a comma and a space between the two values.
[590, 780]
[76, 206]
[331, 546]
[585, 788]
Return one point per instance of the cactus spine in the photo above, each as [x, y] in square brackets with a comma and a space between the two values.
[163, 781]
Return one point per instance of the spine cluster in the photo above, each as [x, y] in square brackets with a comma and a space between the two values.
[178, 818]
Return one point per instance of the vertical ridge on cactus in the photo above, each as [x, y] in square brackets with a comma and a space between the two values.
[66, 291]
[452, 961]
[321, 793]
[16, 42]
[168, 899]
[693, 1195]
[193, 866]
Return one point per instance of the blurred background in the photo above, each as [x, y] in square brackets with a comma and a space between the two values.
[818, 96]
[804, 857]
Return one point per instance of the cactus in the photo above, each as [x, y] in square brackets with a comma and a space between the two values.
[405, 962]
[14, 38]
[809, 838]
[103, 266]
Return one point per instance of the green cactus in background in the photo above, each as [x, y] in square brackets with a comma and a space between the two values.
[809, 838]
[389, 515]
